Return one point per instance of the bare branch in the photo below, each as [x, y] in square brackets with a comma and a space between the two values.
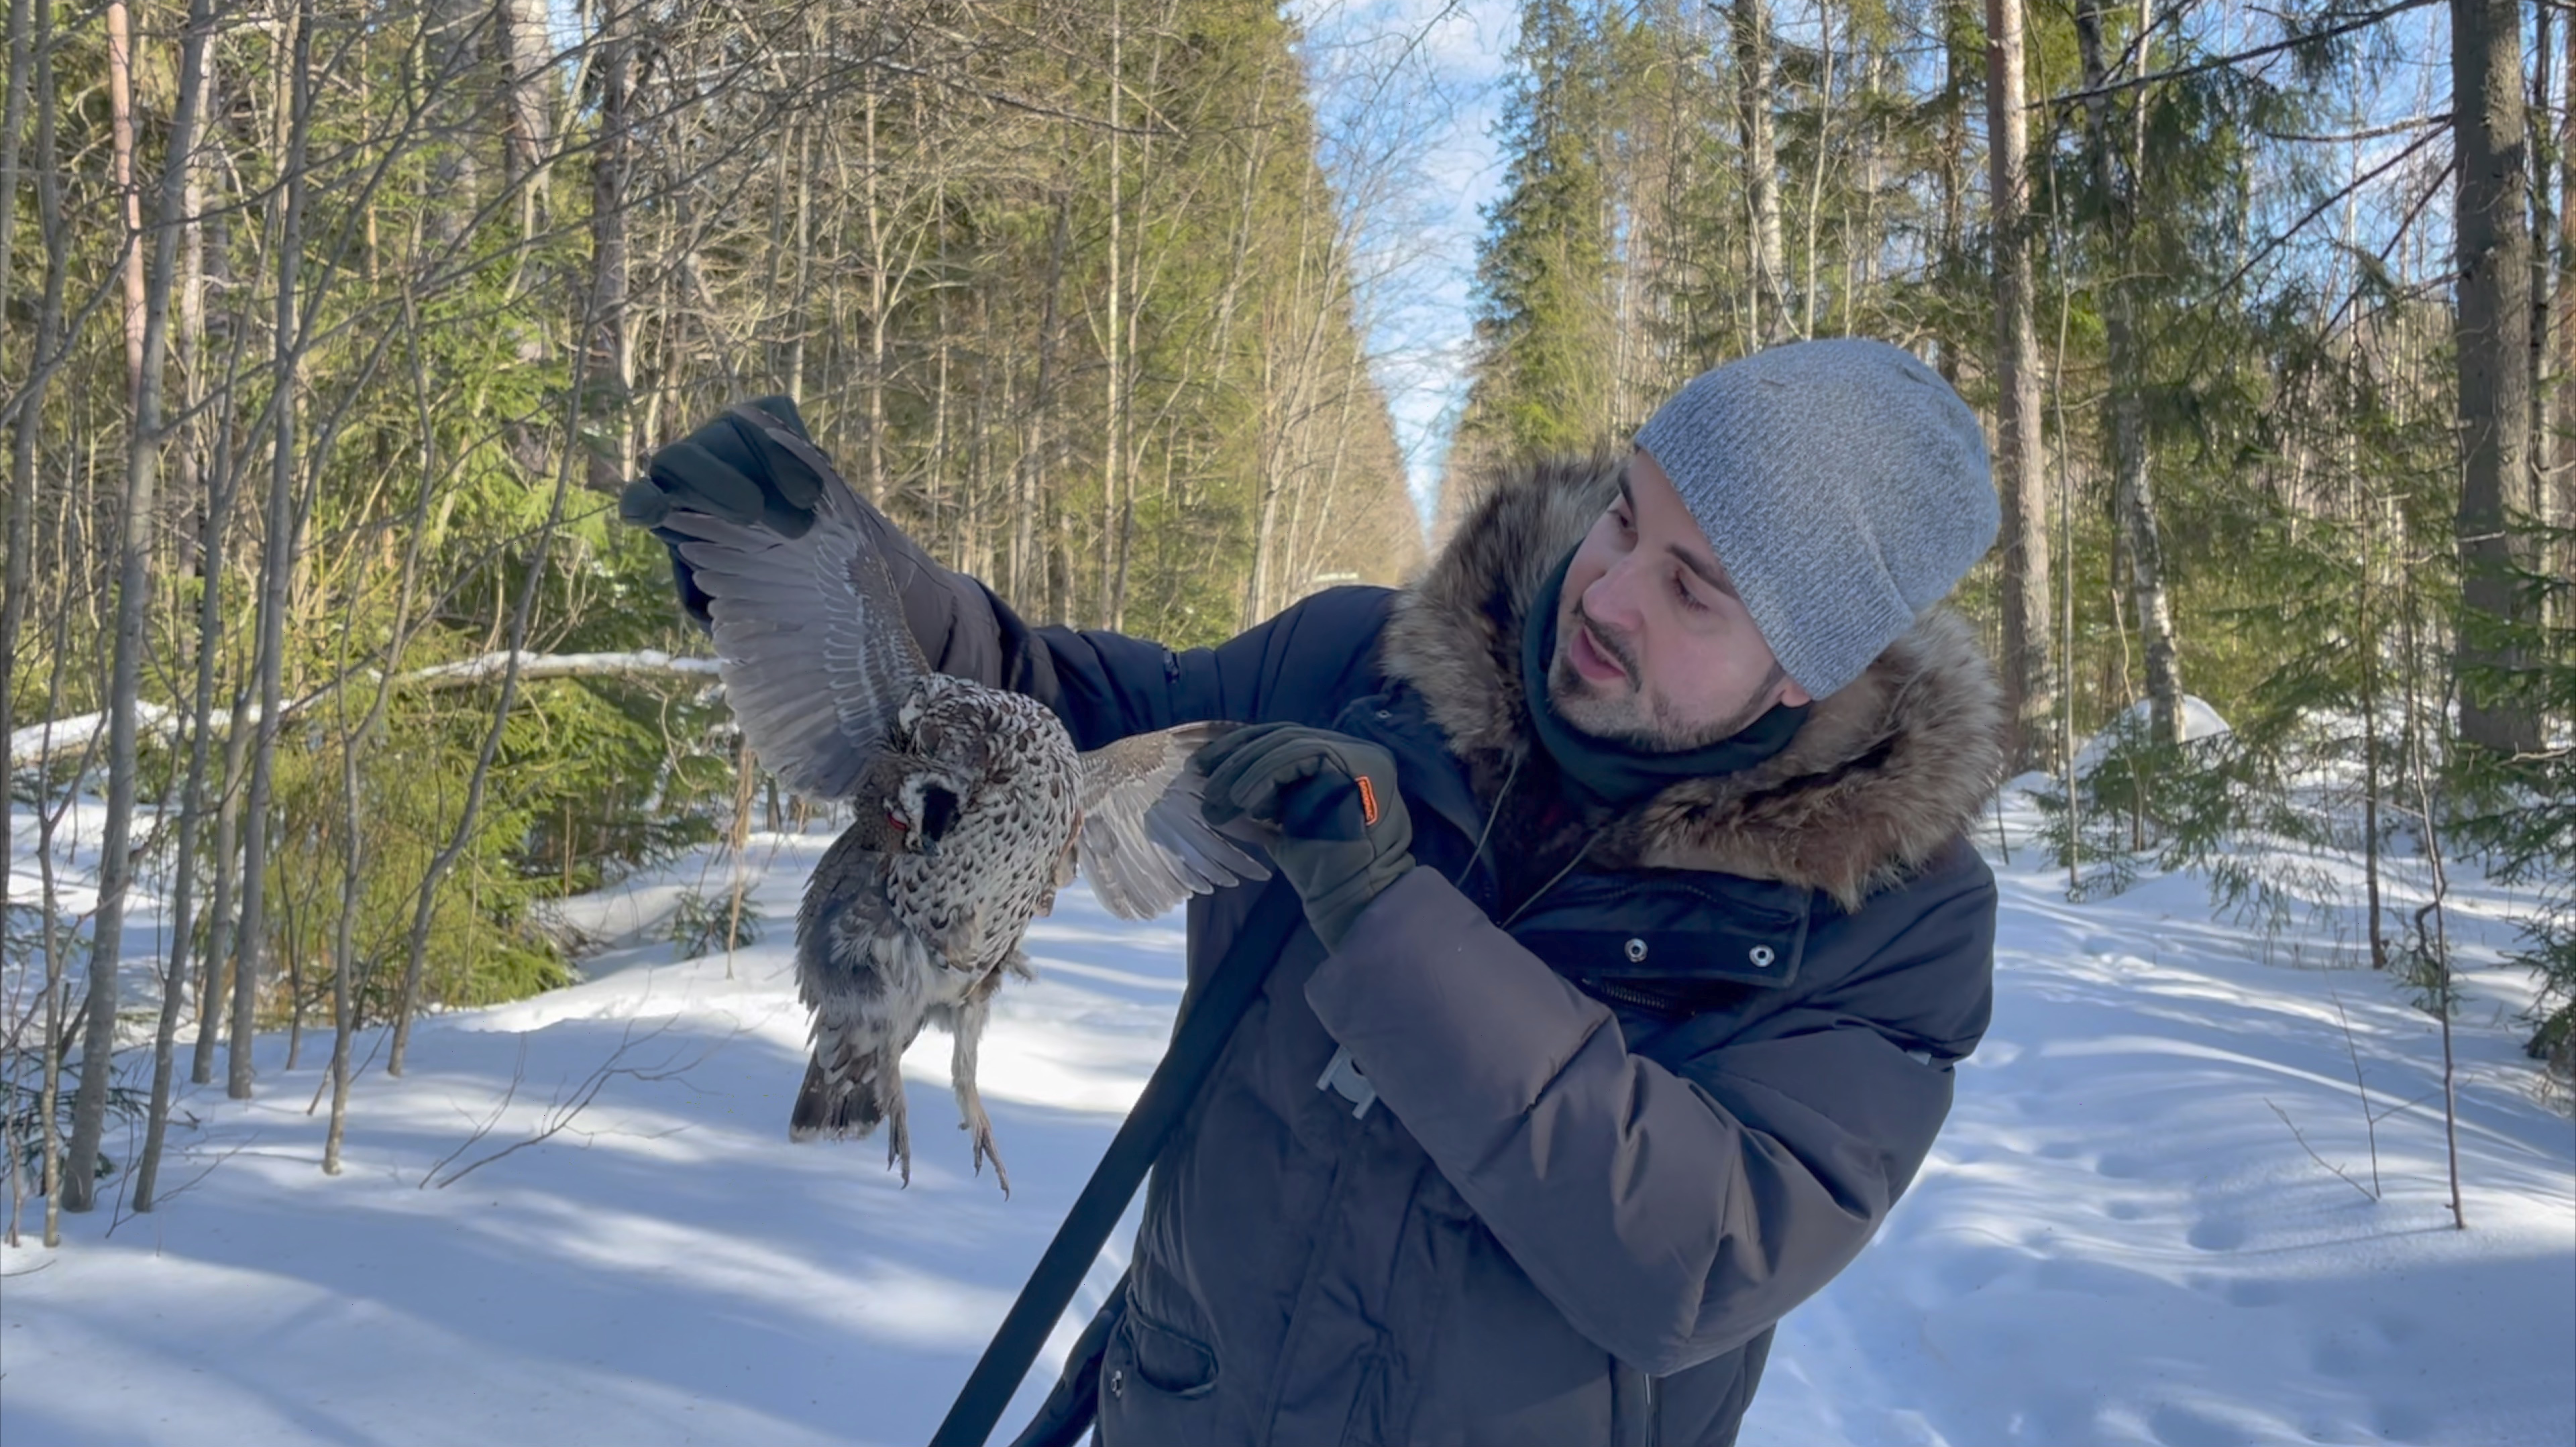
[2363, 22]
[2340, 1172]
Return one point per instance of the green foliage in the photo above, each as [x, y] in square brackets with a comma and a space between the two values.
[583, 790]
[2523, 809]
[23, 1100]
[2091, 841]
[703, 924]
[22, 1067]
[411, 797]
[2247, 814]
[1542, 378]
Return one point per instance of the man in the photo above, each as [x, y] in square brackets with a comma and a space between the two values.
[1624, 936]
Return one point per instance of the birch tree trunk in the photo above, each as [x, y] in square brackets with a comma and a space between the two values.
[277, 562]
[2019, 460]
[178, 172]
[452, 46]
[1112, 559]
[612, 333]
[188, 442]
[22, 459]
[2132, 488]
[213, 266]
[529, 57]
[1950, 237]
[129, 196]
[221, 938]
[1029, 480]
[1755, 81]
[151, 330]
[877, 304]
[1824, 112]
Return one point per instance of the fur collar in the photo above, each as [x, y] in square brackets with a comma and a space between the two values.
[1883, 775]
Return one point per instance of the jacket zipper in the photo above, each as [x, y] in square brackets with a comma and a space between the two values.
[1638, 998]
[1654, 1412]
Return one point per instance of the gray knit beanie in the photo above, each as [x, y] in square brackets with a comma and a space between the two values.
[1844, 486]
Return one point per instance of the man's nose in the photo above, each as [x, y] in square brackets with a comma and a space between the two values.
[1615, 598]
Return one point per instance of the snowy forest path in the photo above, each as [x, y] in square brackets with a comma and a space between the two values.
[2122, 1235]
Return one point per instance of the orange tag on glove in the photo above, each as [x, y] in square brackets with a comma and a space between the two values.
[1368, 801]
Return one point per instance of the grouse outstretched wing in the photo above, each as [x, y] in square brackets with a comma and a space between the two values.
[817, 657]
[809, 633]
[1144, 842]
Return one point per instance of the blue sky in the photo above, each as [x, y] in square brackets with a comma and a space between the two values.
[1407, 93]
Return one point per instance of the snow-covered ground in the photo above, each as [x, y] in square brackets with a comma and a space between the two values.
[2119, 1240]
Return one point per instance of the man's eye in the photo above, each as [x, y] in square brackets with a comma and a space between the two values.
[1681, 589]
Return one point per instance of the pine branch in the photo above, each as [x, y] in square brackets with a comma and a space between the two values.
[2282, 238]
[2181, 72]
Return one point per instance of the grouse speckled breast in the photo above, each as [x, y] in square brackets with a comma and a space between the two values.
[973, 808]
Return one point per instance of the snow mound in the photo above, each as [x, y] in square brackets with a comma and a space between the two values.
[2199, 721]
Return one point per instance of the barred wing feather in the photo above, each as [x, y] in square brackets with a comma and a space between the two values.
[809, 635]
[1145, 844]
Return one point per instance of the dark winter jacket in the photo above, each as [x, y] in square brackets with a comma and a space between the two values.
[1621, 1126]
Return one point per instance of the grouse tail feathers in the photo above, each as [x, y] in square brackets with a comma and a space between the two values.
[851, 1105]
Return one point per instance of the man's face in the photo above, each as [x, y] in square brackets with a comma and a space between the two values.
[1653, 647]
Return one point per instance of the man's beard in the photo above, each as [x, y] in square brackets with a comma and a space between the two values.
[1624, 715]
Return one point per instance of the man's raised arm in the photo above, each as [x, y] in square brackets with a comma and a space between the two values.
[1105, 686]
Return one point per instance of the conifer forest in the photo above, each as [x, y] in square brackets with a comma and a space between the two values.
[331, 329]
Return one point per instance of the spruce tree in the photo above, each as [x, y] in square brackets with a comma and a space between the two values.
[1542, 356]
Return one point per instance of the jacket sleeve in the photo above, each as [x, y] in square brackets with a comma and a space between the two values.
[1298, 667]
[1670, 1214]
[1073, 1404]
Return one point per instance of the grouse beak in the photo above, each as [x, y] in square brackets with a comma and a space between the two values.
[917, 842]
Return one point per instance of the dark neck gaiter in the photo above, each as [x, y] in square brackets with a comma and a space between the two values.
[1618, 774]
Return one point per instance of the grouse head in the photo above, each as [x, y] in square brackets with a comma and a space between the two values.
[943, 746]
[923, 811]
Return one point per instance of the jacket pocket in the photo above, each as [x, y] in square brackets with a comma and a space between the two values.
[1160, 1358]
[1070, 1408]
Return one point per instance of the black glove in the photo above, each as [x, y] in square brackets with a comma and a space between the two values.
[731, 469]
[1324, 805]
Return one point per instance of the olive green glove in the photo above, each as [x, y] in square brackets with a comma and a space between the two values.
[1325, 806]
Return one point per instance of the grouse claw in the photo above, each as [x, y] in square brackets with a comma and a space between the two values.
[984, 1151]
[899, 1140]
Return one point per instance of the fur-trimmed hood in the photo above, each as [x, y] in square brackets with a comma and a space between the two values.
[1883, 774]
